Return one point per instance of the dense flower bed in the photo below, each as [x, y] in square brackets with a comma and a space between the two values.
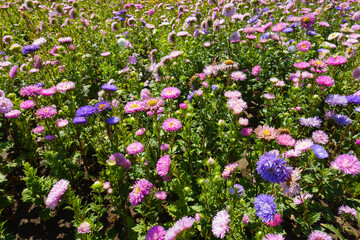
[187, 119]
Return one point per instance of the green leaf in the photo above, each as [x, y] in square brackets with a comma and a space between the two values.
[314, 218]
[358, 216]
[2, 178]
[334, 230]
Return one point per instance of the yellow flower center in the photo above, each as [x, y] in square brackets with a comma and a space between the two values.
[171, 124]
[137, 190]
[306, 20]
[134, 105]
[266, 132]
[318, 62]
[102, 107]
[229, 62]
[152, 102]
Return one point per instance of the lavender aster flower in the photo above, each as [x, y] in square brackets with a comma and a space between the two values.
[5, 105]
[29, 49]
[343, 120]
[311, 122]
[272, 168]
[319, 151]
[55, 194]
[220, 224]
[179, 226]
[265, 207]
[112, 120]
[354, 99]
[109, 87]
[79, 120]
[335, 99]
[155, 233]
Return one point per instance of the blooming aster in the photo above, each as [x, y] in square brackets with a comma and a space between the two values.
[238, 76]
[46, 112]
[220, 224]
[65, 86]
[84, 228]
[347, 163]
[307, 21]
[172, 125]
[285, 139]
[347, 210]
[265, 207]
[170, 93]
[140, 189]
[135, 148]
[311, 122]
[326, 81]
[6, 105]
[85, 111]
[319, 151]
[304, 46]
[272, 168]
[301, 198]
[179, 226]
[229, 169]
[162, 166]
[342, 120]
[276, 222]
[55, 194]
[273, 237]
[228, 10]
[303, 145]
[266, 132]
[320, 137]
[319, 235]
[134, 106]
[291, 187]
[155, 233]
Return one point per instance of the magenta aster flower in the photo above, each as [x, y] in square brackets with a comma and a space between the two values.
[160, 195]
[307, 21]
[172, 125]
[347, 163]
[285, 139]
[46, 112]
[162, 166]
[273, 237]
[84, 228]
[319, 235]
[304, 46]
[156, 233]
[220, 224]
[135, 148]
[302, 65]
[55, 194]
[27, 104]
[134, 106]
[334, 61]
[326, 81]
[140, 189]
[48, 91]
[39, 129]
[229, 169]
[255, 71]
[170, 93]
[276, 222]
[12, 114]
[31, 90]
[179, 226]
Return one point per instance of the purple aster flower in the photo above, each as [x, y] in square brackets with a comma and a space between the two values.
[228, 10]
[79, 120]
[132, 60]
[109, 87]
[343, 120]
[319, 235]
[112, 120]
[272, 168]
[265, 207]
[354, 99]
[229, 169]
[13, 71]
[220, 224]
[319, 151]
[5, 105]
[235, 37]
[191, 95]
[46, 112]
[140, 190]
[155, 233]
[162, 166]
[55, 194]
[335, 99]
[215, 87]
[347, 210]
[179, 226]
[102, 106]
[85, 111]
[135, 148]
[29, 49]
[307, 21]
[311, 122]
[239, 189]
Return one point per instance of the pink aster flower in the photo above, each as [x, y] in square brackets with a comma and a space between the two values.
[233, 94]
[162, 166]
[172, 125]
[55, 194]
[238, 105]
[334, 61]
[347, 210]
[276, 222]
[48, 92]
[245, 219]
[292, 153]
[161, 195]
[134, 106]
[170, 93]
[326, 81]
[27, 104]
[256, 70]
[303, 145]
[65, 86]
[39, 129]
[301, 198]
[273, 236]
[279, 27]
[347, 163]
[246, 132]
[140, 132]
[155, 233]
[220, 224]
[12, 114]
[179, 226]
[291, 187]
[140, 189]
[135, 148]
[46, 112]
[286, 140]
[238, 76]
[304, 46]
[319, 235]
[164, 147]
[84, 228]
[31, 90]
[61, 122]
[302, 65]
[266, 132]
[229, 169]
[243, 121]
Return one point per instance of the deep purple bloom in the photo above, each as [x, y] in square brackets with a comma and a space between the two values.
[353, 99]
[79, 120]
[113, 120]
[29, 49]
[109, 87]
[102, 106]
[85, 111]
[272, 168]
[343, 120]
[265, 207]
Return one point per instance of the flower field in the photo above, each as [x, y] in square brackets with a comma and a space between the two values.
[191, 119]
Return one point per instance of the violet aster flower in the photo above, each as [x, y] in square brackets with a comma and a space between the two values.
[85, 111]
[307, 21]
[84, 228]
[135, 148]
[220, 224]
[272, 168]
[102, 106]
[229, 169]
[160, 195]
[335, 99]
[55, 194]
[319, 235]
[342, 120]
[311, 122]
[156, 233]
[5, 105]
[162, 166]
[172, 125]
[112, 120]
[13, 71]
[46, 112]
[265, 207]
[170, 93]
[79, 120]
[347, 163]
[140, 190]
[354, 99]
[235, 37]
[109, 87]
[29, 49]
[179, 226]
[239, 189]
[319, 151]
